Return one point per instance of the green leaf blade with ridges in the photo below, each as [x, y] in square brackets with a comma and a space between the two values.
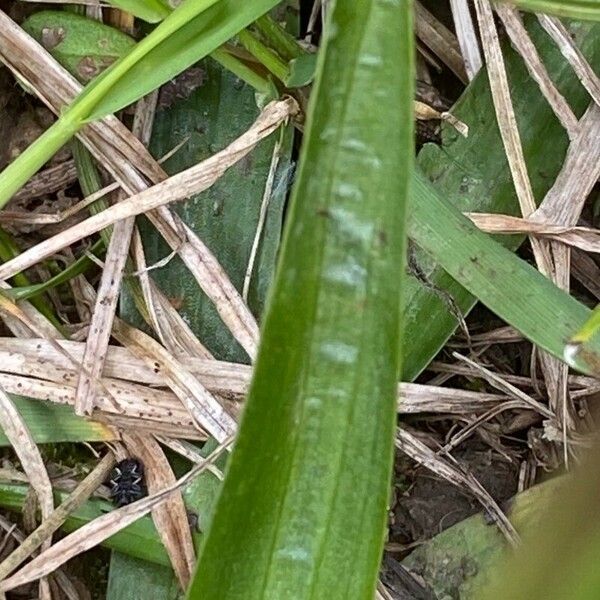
[312, 462]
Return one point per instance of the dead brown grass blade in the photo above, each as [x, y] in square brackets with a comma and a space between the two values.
[553, 369]
[171, 329]
[132, 383]
[467, 38]
[578, 175]
[48, 181]
[96, 531]
[525, 47]
[420, 453]
[559, 33]
[440, 40]
[110, 282]
[103, 316]
[138, 407]
[205, 409]
[584, 238]
[23, 319]
[44, 532]
[507, 388]
[170, 517]
[564, 202]
[31, 460]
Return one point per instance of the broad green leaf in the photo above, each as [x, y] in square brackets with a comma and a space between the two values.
[459, 562]
[302, 70]
[151, 11]
[135, 579]
[225, 217]
[188, 34]
[192, 31]
[559, 558]
[85, 47]
[472, 173]
[575, 9]
[54, 423]
[303, 506]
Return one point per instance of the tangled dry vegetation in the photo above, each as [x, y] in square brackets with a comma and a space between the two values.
[488, 418]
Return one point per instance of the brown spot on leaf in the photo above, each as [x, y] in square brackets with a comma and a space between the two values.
[90, 66]
[52, 36]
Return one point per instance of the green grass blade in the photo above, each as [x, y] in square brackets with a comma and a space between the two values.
[188, 34]
[507, 285]
[140, 539]
[151, 11]
[53, 423]
[472, 174]
[575, 9]
[312, 462]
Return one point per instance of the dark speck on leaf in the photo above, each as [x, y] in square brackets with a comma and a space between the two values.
[181, 87]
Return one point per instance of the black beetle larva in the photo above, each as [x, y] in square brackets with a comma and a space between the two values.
[127, 482]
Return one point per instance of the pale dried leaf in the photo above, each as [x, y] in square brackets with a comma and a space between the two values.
[421, 454]
[440, 40]
[103, 316]
[170, 517]
[525, 47]
[584, 238]
[559, 33]
[467, 38]
[110, 282]
[96, 531]
[206, 410]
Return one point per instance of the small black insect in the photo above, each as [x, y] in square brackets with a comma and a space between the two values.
[127, 482]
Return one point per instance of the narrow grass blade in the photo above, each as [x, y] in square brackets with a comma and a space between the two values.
[53, 423]
[151, 11]
[507, 285]
[190, 32]
[312, 462]
[472, 174]
[574, 9]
